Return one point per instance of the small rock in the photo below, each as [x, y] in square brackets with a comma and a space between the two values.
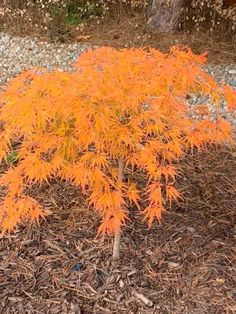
[233, 72]
[174, 264]
[78, 267]
[232, 83]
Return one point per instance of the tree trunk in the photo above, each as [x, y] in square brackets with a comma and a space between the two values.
[116, 245]
[164, 15]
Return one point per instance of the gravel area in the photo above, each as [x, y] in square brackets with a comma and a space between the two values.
[20, 53]
[17, 54]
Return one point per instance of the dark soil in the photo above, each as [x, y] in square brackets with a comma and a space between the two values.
[185, 265]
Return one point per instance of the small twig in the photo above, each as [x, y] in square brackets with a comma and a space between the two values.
[29, 295]
[80, 293]
[109, 300]
[91, 288]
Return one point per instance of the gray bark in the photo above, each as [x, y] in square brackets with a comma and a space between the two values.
[117, 239]
[164, 15]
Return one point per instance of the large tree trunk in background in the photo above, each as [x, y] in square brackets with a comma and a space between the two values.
[164, 15]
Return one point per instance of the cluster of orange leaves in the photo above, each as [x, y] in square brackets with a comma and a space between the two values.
[118, 105]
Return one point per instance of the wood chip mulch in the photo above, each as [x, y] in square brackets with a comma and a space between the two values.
[185, 265]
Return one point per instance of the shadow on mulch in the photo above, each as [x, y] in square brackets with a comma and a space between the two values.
[185, 265]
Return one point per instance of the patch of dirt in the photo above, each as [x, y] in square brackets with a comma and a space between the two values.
[185, 265]
[132, 32]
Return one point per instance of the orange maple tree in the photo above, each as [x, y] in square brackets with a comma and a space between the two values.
[118, 111]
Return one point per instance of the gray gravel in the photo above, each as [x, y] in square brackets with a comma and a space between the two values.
[17, 54]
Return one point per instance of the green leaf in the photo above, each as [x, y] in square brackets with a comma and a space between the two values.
[13, 157]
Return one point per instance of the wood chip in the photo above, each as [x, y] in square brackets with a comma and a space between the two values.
[131, 273]
[142, 297]
[121, 284]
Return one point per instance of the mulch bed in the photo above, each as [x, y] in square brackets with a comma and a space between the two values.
[185, 265]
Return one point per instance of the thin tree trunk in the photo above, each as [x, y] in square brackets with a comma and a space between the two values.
[116, 245]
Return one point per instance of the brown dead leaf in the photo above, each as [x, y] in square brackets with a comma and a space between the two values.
[83, 37]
